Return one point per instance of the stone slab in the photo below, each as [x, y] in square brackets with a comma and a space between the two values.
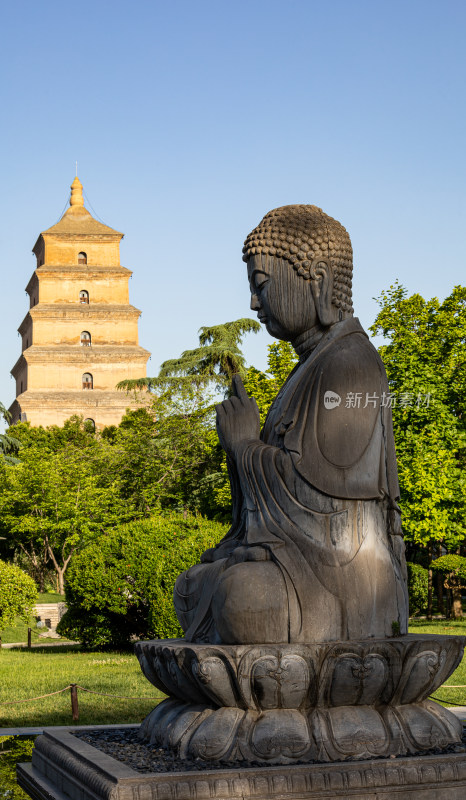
[67, 768]
[38, 730]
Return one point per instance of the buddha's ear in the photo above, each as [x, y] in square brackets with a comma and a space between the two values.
[322, 291]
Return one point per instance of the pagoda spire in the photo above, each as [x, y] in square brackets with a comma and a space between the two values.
[76, 198]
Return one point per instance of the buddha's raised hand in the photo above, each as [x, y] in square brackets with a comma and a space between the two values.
[238, 419]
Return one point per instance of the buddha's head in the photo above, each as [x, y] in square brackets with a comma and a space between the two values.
[300, 265]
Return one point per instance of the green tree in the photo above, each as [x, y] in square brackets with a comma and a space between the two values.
[14, 750]
[18, 594]
[61, 494]
[121, 585]
[186, 457]
[264, 386]
[425, 359]
[216, 360]
[418, 588]
[453, 570]
[9, 445]
[164, 456]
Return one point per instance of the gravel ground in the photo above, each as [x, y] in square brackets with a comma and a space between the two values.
[123, 745]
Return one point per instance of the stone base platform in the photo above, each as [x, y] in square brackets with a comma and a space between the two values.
[67, 768]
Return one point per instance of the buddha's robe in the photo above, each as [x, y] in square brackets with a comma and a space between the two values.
[317, 496]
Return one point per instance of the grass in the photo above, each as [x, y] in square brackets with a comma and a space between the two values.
[18, 633]
[51, 597]
[451, 627]
[28, 673]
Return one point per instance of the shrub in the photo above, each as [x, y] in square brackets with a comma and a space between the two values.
[13, 749]
[121, 585]
[418, 582]
[451, 565]
[18, 594]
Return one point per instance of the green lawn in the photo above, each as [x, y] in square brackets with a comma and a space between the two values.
[28, 673]
[18, 633]
[51, 597]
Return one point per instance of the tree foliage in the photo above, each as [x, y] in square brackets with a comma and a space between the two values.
[264, 386]
[18, 594]
[425, 359]
[14, 750]
[453, 566]
[167, 456]
[9, 445]
[121, 586]
[61, 494]
[216, 360]
[418, 587]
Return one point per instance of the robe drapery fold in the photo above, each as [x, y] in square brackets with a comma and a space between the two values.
[317, 494]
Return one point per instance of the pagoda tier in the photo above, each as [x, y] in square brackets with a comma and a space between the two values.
[80, 335]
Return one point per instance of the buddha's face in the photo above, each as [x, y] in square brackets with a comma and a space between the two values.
[283, 300]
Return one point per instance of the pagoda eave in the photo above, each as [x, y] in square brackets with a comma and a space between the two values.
[83, 310]
[77, 354]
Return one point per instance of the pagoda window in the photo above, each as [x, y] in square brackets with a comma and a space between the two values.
[88, 381]
[89, 424]
[85, 339]
[82, 258]
[84, 296]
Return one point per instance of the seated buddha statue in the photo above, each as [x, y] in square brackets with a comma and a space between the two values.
[315, 552]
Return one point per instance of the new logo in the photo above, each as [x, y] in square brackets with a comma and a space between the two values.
[331, 400]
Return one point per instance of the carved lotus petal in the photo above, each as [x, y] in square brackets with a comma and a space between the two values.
[427, 726]
[212, 676]
[179, 730]
[358, 680]
[358, 731]
[282, 733]
[215, 735]
[180, 676]
[149, 670]
[159, 663]
[280, 682]
[265, 680]
[421, 671]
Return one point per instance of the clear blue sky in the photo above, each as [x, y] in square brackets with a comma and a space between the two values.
[190, 120]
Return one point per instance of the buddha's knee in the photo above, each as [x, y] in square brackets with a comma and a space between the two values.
[251, 604]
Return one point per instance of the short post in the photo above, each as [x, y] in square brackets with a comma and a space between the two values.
[29, 637]
[74, 702]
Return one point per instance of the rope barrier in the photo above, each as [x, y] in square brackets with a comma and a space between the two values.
[83, 689]
[30, 699]
[126, 697]
[123, 696]
[451, 686]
